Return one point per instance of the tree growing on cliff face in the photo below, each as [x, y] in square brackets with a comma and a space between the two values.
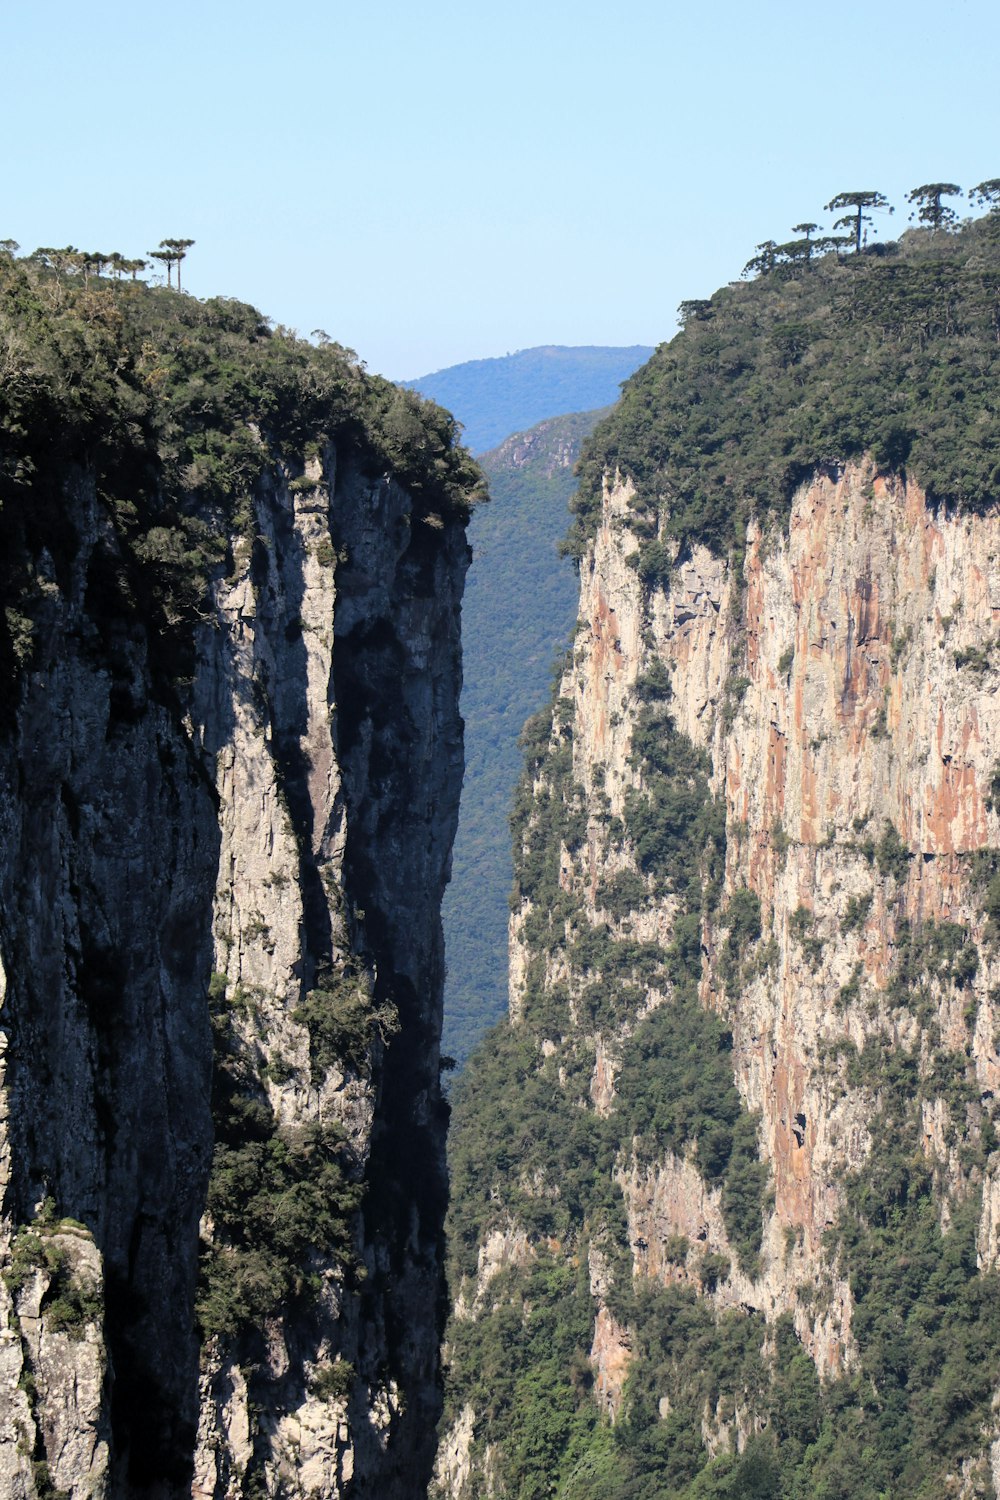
[928, 208]
[857, 201]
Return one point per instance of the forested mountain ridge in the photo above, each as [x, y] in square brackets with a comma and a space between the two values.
[494, 398]
[725, 1200]
[231, 568]
[519, 604]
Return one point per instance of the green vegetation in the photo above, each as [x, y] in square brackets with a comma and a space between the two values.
[928, 207]
[171, 253]
[672, 818]
[927, 1322]
[282, 1203]
[177, 410]
[858, 202]
[69, 1305]
[676, 1093]
[978, 659]
[891, 854]
[891, 352]
[342, 1022]
[333, 1382]
[856, 912]
[528, 1147]
[279, 1202]
[939, 953]
[800, 925]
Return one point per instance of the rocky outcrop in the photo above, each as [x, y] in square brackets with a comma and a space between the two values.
[221, 954]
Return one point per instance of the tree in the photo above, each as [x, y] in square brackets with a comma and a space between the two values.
[66, 259]
[828, 242]
[166, 256]
[178, 249]
[763, 262]
[9, 247]
[695, 308]
[793, 251]
[93, 260]
[858, 201]
[807, 231]
[929, 208]
[987, 192]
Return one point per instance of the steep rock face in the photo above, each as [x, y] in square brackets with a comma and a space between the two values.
[809, 730]
[110, 848]
[222, 969]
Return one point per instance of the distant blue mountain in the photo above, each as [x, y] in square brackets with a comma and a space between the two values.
[493, 398]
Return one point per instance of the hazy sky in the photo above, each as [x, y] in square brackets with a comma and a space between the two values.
[437, 182]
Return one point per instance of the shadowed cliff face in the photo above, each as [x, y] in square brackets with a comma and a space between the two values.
[222, 1144]
[109, 852]
[755, 849]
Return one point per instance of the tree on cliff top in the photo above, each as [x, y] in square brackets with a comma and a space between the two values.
[172, 252]
[987, 192]
[179, 249]
[929, 208]
[764, 261]
[857, 200]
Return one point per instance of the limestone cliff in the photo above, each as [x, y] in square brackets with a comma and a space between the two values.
[227, 815]
[726, 1197]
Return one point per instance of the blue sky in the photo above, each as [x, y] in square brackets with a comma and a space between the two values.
[440, 182]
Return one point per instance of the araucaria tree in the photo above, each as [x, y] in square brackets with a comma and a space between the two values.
[857, 202]
[987, 192]
[763, 262]
[167, 258]
[179, 249]
[928, 208]
[172, 252]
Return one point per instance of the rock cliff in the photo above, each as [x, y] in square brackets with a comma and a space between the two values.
[227, 816]
[725, 1185]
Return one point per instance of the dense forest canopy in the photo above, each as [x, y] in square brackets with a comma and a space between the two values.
[894, 350]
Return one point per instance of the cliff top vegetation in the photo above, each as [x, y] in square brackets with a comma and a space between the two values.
[177, 408]
[892, 350]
